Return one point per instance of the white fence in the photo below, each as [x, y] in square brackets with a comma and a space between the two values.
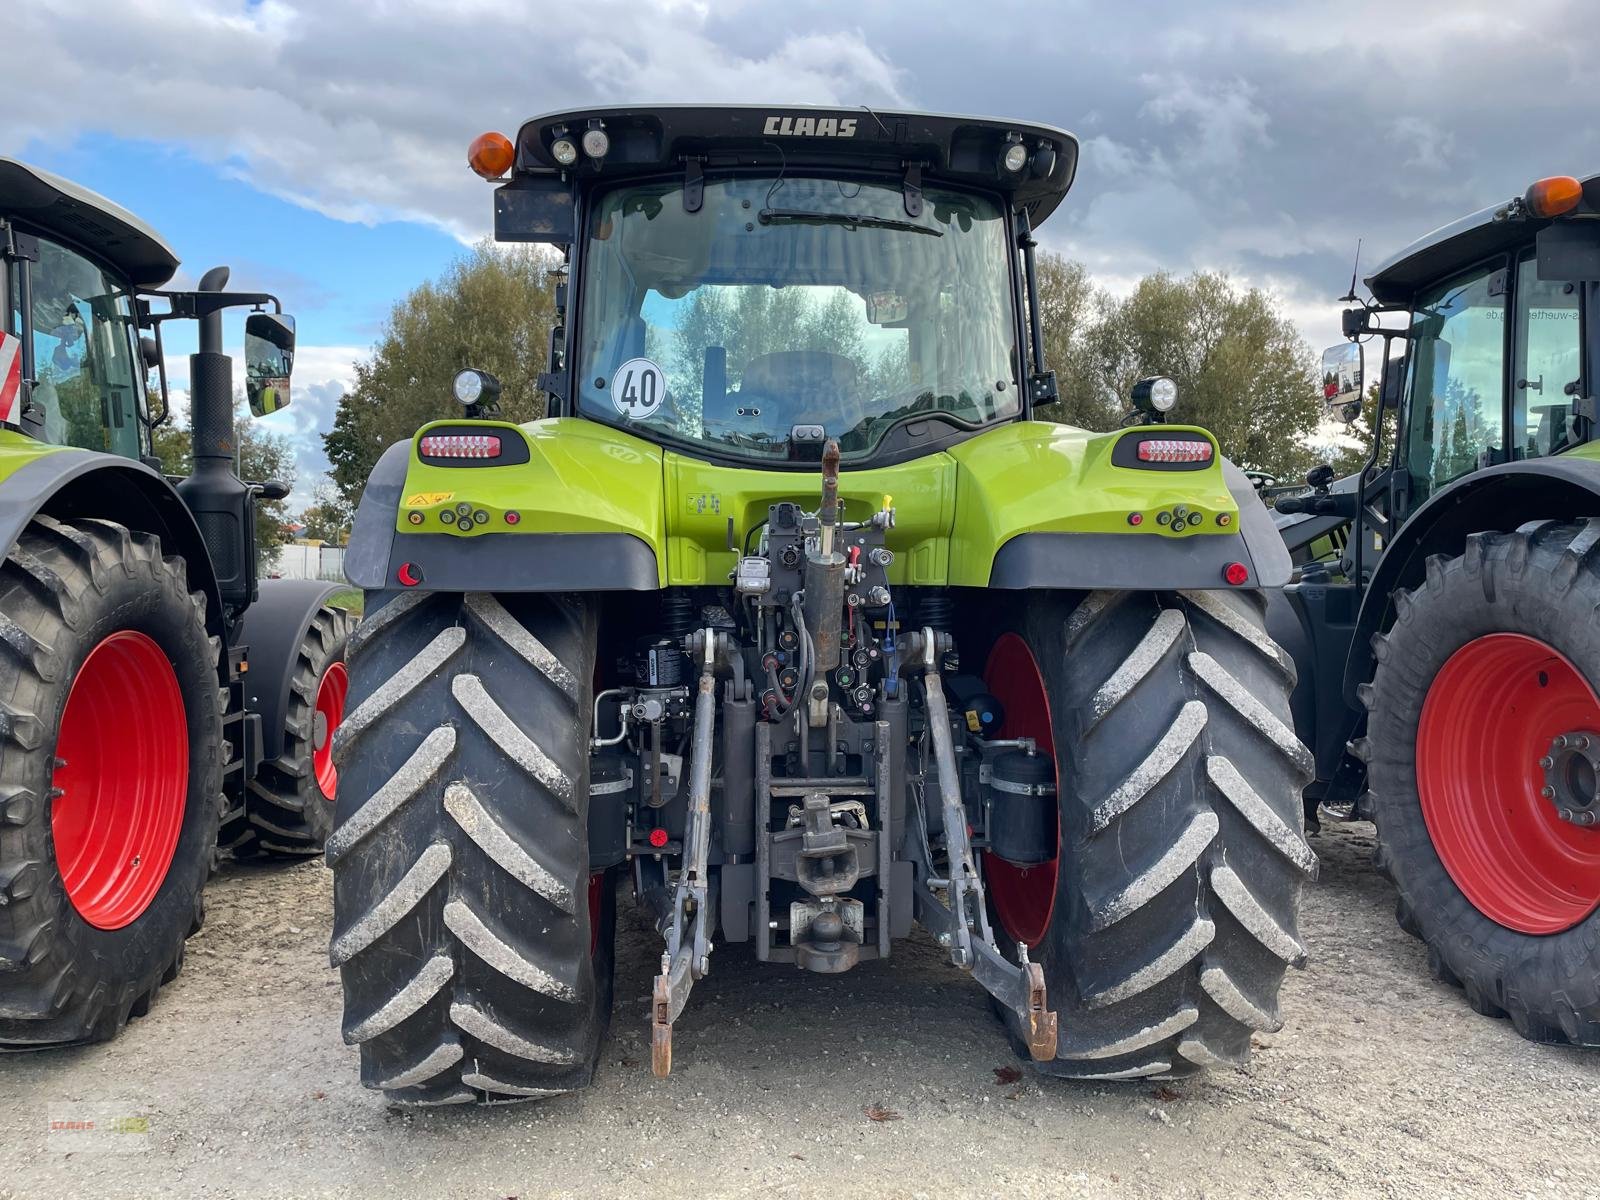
[308, 560]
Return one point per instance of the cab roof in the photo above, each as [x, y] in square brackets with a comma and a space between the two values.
[1462, 243]
[948, 149]
[60, 207]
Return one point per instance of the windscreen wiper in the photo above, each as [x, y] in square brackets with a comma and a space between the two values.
[798, 216]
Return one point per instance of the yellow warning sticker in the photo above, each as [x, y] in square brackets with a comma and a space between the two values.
[424, 499]
[974, 722]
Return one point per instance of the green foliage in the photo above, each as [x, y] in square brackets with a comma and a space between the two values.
[1070, 311]
[328, 517]
[1457, 432]
[492, 309]
[350, 599]
[1242, 369]
[262, 455]
[1347, 460]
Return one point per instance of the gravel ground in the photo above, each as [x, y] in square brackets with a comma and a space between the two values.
[1383, 1083]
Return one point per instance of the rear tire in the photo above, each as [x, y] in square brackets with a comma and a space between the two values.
[288, 806]
[1167, 920]
[463, 930]
[1503, 893]
[109, 804]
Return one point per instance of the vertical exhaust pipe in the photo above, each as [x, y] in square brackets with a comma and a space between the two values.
[223, 507]
[211, 388]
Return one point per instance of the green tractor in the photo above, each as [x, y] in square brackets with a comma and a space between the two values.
[151, 688]
[1443, 618]
[793, 615]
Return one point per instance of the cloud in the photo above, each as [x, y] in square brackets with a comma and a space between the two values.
[364, 112]
[1254, 137]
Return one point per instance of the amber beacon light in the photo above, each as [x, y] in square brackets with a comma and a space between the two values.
[491, 155]
[1553, 196]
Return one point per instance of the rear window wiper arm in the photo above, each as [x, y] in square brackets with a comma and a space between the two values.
[798, 216]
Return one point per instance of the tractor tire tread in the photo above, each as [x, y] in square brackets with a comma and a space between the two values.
[284, 813]
[1183, 824]
[461, 845]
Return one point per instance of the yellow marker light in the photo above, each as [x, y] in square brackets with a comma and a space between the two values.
[1553, 196]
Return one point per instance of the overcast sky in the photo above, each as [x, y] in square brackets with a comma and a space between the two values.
[319, 146]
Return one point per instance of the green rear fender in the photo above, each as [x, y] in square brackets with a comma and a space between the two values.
[576, 505]
[73, 484]
[575, 477]
[566, 504]
[1045, 505]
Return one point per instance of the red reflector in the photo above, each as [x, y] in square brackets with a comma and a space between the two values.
[658, 838]
[409, 574]
[462, 445]
[1173, 450]
[1237, 574]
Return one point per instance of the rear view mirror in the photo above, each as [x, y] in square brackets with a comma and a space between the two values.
[887, 308]
[1342, 379]
[268, 361]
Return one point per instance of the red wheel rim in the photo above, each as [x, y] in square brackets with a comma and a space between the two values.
[1484, 741]
[331, 693]
[1024, 895]
[121, 780]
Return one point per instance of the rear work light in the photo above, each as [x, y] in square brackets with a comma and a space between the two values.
[467, 445]
[1173, 450]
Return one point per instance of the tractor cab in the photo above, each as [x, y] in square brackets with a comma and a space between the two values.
[71, 264]
[78, 274]
[1485, 339]
[752, 282]
[83, 280]
[1494, 368]
[1485, 347]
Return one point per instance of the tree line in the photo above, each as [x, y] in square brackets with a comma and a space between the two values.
[1241, 367]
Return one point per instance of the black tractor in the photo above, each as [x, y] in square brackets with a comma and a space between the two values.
[1443, 616]
[152, 688]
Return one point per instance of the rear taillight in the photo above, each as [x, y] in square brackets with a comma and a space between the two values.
[1173, 450]
[465, 445]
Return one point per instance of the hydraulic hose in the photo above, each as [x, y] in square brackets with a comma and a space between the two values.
[808, 659]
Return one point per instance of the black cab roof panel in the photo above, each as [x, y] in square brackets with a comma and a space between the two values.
[58, 206]
[1460, 244]
[949, 149]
